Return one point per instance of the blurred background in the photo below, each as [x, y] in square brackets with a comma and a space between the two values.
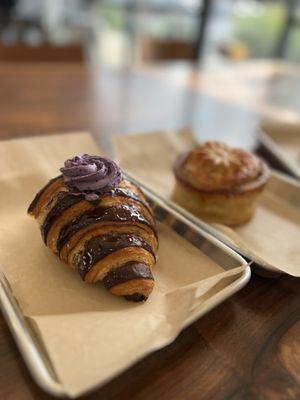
[118, 33]
[221, 67]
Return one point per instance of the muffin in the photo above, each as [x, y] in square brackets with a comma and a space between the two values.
[219, 183]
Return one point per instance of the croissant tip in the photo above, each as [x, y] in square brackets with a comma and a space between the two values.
[30, 210]
[136, 297]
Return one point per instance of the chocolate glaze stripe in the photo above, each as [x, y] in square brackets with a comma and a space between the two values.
[39, 194]
[119, 191]
[101, 246]
[65, 201]
[121, 213]
[126, 192]
[136, 297]
[127, 272]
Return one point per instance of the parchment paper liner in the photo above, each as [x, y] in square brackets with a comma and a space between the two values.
[90, 335]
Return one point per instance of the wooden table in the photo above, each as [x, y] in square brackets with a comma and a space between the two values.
[248, 347]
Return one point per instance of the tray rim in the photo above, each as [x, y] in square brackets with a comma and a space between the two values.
[268, 143]
[27, 342]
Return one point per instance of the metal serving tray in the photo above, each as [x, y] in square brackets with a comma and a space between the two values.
[28, 343]
[281, 182]
[273, 148]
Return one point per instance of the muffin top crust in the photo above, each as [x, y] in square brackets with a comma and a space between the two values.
[215, 166]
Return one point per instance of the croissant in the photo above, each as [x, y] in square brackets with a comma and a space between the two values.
[99, 224]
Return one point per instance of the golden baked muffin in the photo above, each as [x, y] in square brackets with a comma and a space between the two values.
[219, 183]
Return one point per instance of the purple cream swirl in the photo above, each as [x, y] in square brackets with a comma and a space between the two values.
[91, 176]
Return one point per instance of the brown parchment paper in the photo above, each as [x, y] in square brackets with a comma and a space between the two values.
[271, 237]
[90, 335]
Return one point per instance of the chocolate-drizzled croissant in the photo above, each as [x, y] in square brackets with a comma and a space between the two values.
[106, 233]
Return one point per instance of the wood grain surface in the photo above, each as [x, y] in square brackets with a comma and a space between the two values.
[248, 347]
